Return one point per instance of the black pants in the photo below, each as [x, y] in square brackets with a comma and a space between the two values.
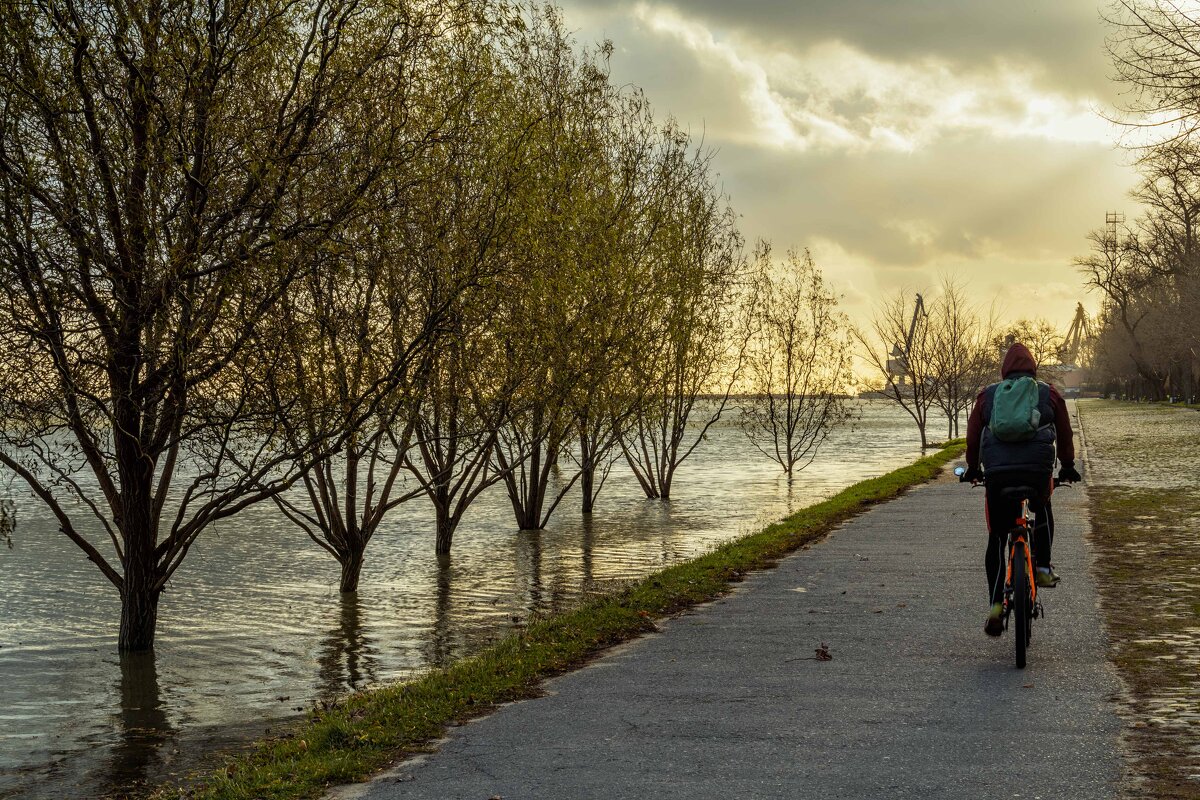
[1002, 513]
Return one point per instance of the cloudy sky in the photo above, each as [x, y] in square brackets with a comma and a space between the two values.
[898, 139]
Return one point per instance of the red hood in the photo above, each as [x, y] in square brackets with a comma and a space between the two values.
[1018, 359]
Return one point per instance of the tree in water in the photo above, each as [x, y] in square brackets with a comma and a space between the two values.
[901, 349]
[698, 278]
[163, 169]
[965, 353]
[370, 316]
[798, 363]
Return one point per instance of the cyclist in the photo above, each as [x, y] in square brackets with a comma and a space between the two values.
[1022, 461]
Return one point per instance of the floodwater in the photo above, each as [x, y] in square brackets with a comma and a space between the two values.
[1144, 484]
[252, 630]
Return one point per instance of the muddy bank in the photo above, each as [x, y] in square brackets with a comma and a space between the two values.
[1144, 484]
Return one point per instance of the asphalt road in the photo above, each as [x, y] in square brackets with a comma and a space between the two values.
[916, 702]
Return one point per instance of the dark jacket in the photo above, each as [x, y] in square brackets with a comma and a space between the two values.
[1037, 454]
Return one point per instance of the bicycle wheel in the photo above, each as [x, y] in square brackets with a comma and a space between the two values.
[1021, 605]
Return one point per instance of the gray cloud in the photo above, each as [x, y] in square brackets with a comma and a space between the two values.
[901, 140]
[1063, 37]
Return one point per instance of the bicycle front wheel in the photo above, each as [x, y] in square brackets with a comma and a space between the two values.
[1022, 607]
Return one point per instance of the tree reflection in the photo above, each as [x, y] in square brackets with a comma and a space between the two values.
[528, 554]
[441, 641]
[137, 758]
[587, 545]
[347, 661]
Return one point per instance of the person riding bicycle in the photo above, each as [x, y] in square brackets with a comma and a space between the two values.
[1014, 437]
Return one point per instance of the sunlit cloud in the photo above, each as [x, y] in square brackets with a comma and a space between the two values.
[832, 96]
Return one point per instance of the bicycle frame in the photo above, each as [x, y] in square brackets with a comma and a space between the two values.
[1018, 537]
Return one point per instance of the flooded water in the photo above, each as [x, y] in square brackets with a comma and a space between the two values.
[252, 629]
[1144, 485]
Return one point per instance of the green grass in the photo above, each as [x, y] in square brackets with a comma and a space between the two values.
[369, 730]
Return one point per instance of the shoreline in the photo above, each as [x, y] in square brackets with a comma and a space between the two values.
[366, 732]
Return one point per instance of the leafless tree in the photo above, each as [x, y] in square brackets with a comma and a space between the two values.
[799, 362]
[699, 275]
[964, 354]
[913, 386]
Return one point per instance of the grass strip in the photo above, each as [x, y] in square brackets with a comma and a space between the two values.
[372, 729]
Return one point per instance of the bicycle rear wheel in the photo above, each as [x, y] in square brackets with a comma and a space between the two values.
[1022, 608]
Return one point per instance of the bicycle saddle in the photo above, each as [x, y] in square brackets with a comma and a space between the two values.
[1019, 492]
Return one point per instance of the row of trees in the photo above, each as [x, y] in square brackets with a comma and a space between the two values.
[340, 256]
[1145, 269]
[933, 357]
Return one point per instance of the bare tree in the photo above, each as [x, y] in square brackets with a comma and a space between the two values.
[1043, 338]
[153, 164]
[963, 352]
[1118, 269]
[799, 361]
[698, 346]
[1153, 49]
[909, 379]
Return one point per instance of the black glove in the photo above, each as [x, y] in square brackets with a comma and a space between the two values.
[1068, 473]
[972, 475]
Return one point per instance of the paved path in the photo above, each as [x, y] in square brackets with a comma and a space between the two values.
[916, 703]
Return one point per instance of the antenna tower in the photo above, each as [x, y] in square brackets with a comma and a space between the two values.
[1111, 220]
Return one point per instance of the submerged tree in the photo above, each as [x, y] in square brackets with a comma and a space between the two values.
[577, 319]
[369, 317]
[696, 344]
[799, 362]
[900, 347]
[163, 168]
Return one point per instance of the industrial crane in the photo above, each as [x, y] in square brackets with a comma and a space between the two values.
[1079, 332]
[898, 364]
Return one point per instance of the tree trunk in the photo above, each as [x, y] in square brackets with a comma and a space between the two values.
[587, 472]
[664, 482]
[445, 531]
[351, 569]
[139, 609]
[587, 480]
[139, 597]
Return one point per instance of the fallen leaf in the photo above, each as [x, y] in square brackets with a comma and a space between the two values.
[1027, 686]
[823, 653]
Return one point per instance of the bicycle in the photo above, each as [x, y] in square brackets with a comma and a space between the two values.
[1020, 588]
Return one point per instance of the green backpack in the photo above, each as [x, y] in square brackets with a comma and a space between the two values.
[1015, 416]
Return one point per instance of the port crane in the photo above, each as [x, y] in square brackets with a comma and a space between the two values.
[897, 365]
[1077, 335]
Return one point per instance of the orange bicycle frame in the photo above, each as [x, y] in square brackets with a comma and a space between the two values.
[1022, 540]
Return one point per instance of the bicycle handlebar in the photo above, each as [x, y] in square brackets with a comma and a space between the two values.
[983, 481]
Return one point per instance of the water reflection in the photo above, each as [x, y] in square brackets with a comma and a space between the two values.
[347, 659]
[144, 728]
[587, 531]
[441, 648]
[528, 556]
